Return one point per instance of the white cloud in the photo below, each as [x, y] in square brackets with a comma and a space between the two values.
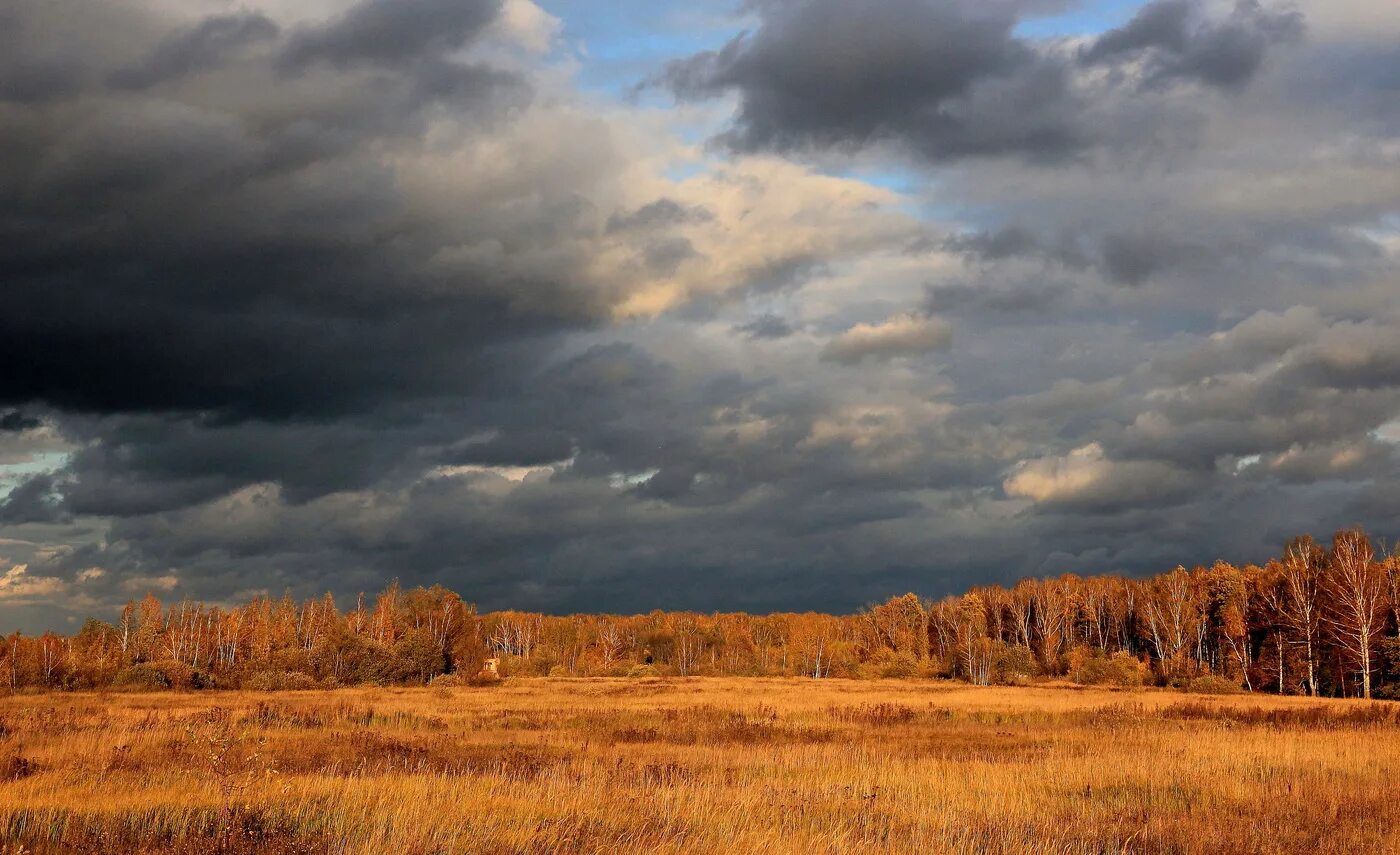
[18, 586]
[901, 335]
[1086, 476]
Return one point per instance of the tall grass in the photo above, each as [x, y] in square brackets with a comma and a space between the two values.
[697, 765]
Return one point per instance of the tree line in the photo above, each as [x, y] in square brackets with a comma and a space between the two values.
[1321, 619]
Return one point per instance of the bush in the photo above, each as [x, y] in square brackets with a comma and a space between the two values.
[899, 666]
[1213, 685]
[166, 674]
[1388, 692]
[418, 656]
[140, 676]
[279, 681]
[644, 671]
[446, 681]
[1120, 669]
[1013, 664]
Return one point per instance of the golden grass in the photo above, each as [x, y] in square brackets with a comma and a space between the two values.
[698, 765]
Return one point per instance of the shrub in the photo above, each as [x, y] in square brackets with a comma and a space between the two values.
[141, 676]
[1120, 669]
[1013, 664]
[279, 681]
[1213, 685]
[419, 658]
[644, 671]
[899, 666]
[446, 681]
[1388, 692]
[178, 675]
[166, 674]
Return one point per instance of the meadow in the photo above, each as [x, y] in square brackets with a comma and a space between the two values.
[697, 765]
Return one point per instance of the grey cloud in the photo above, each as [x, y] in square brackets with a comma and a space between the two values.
[940, 77]
[389, 32]
[515, 448]
[947, 80]
[1310, 464]
[1180, 46]
[201, 46]
[1162, 24]
[664, 256]
[28, 73]
[183, 253]
[1087, 480]
[658, 214]
[996, 245]
[35, 500]
[1263, 336]
[15, 421]
[35, 81]
[1028, 297]
[1133, 259]
[766, 327]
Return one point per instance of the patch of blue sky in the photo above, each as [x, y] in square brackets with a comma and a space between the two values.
[679, 172]
[623, 43]
[14, 474]
[1086, 18]
[890, 178]
[910, 184]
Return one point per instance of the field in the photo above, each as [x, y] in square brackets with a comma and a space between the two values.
[697, 765]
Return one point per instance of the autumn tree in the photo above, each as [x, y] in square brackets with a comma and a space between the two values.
[1172, 615]
[1294, 597]
[1354, 608]
[974, 647]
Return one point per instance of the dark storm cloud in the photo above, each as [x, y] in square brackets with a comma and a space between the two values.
[256, 259]
[941, 77]
[16, 421]
[35, 500]
[947, 79]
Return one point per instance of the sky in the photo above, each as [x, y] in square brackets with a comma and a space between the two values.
[776, 305]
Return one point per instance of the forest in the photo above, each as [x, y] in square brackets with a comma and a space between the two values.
[1319, 620]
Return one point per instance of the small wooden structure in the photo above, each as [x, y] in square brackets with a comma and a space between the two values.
[490, 670]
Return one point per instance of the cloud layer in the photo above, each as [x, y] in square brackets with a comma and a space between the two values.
[895, 296]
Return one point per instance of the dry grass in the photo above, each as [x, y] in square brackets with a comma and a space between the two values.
[699, 765]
